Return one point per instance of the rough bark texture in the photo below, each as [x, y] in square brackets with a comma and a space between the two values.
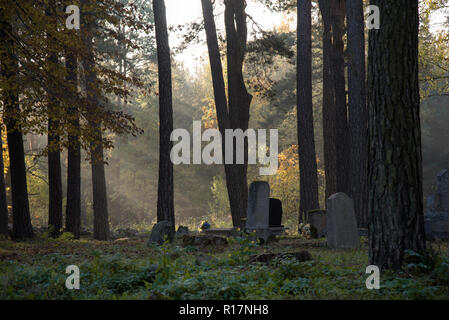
[21, 212]
[239, 99]
[54, 179]
[3, 202]
[221, 103]
[328, 110]
[100, 203]
[396, 220]
[358, 114]
[54, 156]
[165, 205]
[338, 73]
[73, 208]
[306, 140]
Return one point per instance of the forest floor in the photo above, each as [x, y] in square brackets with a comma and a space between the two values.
[129, 269]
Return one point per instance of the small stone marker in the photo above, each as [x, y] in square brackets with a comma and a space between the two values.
[436, 219]
[317, 220]
[341, 227]
[161, 232]
[258, 205]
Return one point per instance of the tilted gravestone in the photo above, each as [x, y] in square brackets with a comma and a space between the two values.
[258, 205]
[341, 223]
[436, 219]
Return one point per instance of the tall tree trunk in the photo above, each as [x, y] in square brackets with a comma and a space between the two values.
[328, 110]
[306, 140]
[73, 208]
[239, 98]
[338, 72]
[358, 115]
[238, 114]
[100, 203]
[221, 103]
[3, 202]
[54, 155]
[396, 219]
[165, 205]
[54, 178]
[22, 227]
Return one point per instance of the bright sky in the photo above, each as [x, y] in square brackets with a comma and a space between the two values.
[184, 11]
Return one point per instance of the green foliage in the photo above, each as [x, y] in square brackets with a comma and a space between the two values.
[131, 270]
[219, 204]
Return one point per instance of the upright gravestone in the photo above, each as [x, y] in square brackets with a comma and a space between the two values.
[275, 219]
[443, 189]
[436, 219]
[258, 206]
[341, 223]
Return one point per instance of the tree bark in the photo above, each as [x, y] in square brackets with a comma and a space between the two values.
[54, 156]
[3, 202]
[237, 116]
[100, 204]
[341, 111]
[328, 109]
[73, 208]
[165, 202]
[22, 227]
[239, 98]
[396, 220]
[306, 139]
[358, 115]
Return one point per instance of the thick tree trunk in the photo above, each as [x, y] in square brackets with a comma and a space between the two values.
[3, 202]
[73, 208]
[100, 200]
[238, 114]
[54, 156]
[358, 115]
[54, 178]
[396, 220]
[165, 205]
[328, 110]
[22, 227]
[306, 140]
[100, 204]
[338, 73]
[239, 98]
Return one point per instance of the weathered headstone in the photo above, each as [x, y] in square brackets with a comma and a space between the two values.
[436, 219]
[317, 220]
[436, 225]
[275, 216]
[443, 190]
[182, 231]
[258, 205]
[161, 232]
[341, 223]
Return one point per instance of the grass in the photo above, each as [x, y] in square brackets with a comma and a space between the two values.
[129, 269]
